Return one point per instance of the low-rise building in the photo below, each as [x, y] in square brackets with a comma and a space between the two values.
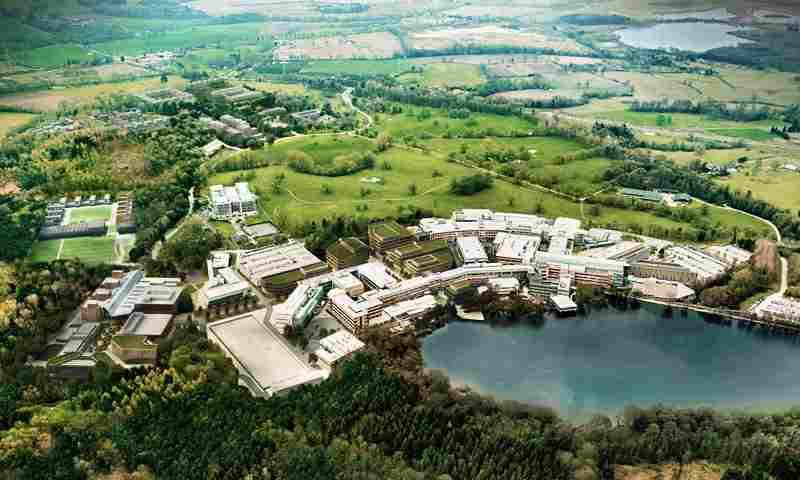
[346, 252]
[642, 195]
[376, 276]
[705, 265]
[401, 316]
[298, 309]
[470, 250]
[504, 286]
[666, 271]
[337, 347]
[238, 95]
[232, 202]
[731, 254]
[279, 268]
[583, 270]
[97, 228]
[388, 235]
[224, 285]
[516, 249]
[563, 304]
[662, 289]
[125, 293]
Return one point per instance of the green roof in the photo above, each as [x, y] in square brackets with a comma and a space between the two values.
[648, 195]
[285, 278]
[431, 260]
[347, 248]
[389, 230]
[419, 248]
[132, 341]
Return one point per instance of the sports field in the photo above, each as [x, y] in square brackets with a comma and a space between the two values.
[88, 214]
[87, 249]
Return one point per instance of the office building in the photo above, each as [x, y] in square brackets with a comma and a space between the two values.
[705, 265]
[376, 276]
[125, 293]
[337, 347]
[401, 316]
[563, 304]
[731, 254]
[470, 250]
[224, 285]
[625, 251]
[666, 271]
[232, 202]
[516, 249]
[388, 235]
[346, 252]
[279, 268]
[662, 289]
[298, 309]
[583, 270]
[504, 286]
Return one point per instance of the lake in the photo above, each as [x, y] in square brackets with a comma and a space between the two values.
[607, 360]
[690, 36]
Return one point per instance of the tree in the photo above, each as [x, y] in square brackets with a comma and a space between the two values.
[412, 189]
[164, 78]
[278, 183]
[384, 142]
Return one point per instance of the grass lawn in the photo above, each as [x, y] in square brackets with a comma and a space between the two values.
[53, 56]
[224, 35]
[45, 251]
[680, 120]
[448, 75]
[411, 122]
[89, 249]
[305, 201]
[755, 134]
[778, 188]
[322, 148]
[358, 67]
[49, 100]
[87, 214]
[9, 121]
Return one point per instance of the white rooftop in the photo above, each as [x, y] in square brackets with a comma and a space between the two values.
[378, 274]
[563, 302]
[266, 262]
[521, 248]
[146, 324]
[261, 354]
[471, 250]
[337, 346]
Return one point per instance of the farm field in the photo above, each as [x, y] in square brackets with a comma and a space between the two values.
[49, 100]
[778, 188]
[89, 249]
[358, 67]
[9, 121]
[717, 157]
[322, 148]
[87, 214]
[305, 200]
[196, 36]
[447, 75]
[364, 46]
[754, 134]
[443, 39]
[683, 120]
[53, 56]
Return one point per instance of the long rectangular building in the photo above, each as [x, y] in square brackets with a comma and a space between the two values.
[387, 235]
[279, 268]
[516, 249]
[705, 265]
[585, 270]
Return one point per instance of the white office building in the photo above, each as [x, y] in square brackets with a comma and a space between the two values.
[232, 202]
[471, 250]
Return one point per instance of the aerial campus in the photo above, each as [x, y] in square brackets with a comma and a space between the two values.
[399, 239]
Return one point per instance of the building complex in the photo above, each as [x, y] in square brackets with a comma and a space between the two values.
[232, 202]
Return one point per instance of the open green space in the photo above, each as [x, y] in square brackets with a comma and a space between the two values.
[224, 36]
[89, 249]
[88, 214]
[323, 148]
[447, 75]
[358, 67]
[779, 188]
[313, 198]
[755, 134]
[431, 122]
[9, 121]
[681, 120]
[53, 56]
[45, 251]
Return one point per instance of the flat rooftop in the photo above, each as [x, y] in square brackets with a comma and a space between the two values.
[270, 261]
[262, 354]
[389, 230]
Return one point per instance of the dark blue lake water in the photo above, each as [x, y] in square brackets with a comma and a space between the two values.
[609, 359]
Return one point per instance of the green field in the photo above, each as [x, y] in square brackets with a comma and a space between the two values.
[446, 75]
[9, 121]
[200, 36]
[89, 249]
[681, 120]
[45, 251]
[755, 134]
[322, 148]
[53, 56]
[778, 188]
[304, 199]
[358, 67]
[437, 124]
[88, 214]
